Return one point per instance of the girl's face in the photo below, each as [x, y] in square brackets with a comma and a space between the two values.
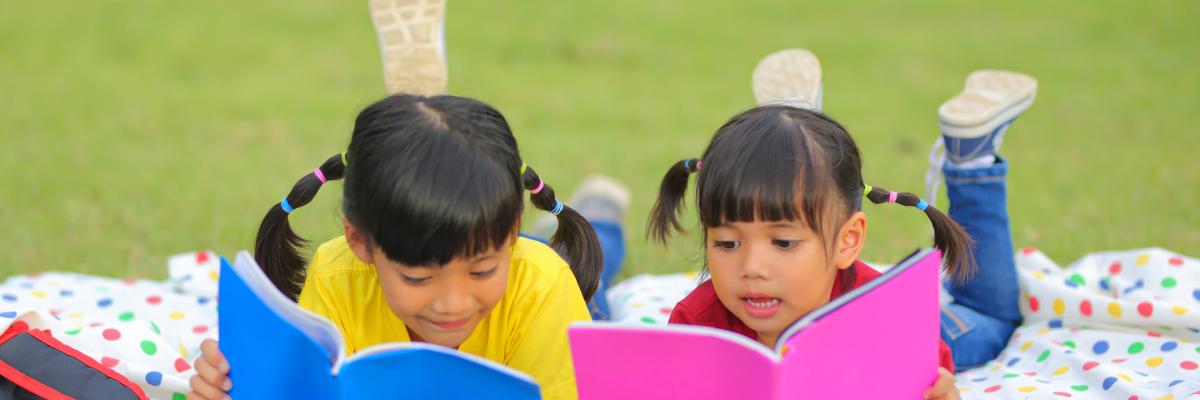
[443, 304]
[771, 273]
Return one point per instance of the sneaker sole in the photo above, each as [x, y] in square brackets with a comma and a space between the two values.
[789, 77]
[990, 98]
[411, 45]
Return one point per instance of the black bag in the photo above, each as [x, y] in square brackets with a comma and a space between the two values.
[34, 365]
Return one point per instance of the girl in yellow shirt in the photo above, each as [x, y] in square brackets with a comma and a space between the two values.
[432, 202]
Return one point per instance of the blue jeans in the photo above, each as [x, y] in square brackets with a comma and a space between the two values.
[985, 312]
[612, 242]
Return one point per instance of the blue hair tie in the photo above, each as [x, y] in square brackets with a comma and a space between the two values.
[686, 165]
[558, 207]
[287, 208]
[921, 204]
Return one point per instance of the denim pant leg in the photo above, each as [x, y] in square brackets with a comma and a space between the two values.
[612, 243]
[985, 311]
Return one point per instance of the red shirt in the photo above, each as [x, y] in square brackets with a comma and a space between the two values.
[702, 307]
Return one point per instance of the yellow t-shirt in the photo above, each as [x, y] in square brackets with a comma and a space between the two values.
[527, 330]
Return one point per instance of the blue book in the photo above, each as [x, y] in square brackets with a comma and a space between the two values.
[278, 350]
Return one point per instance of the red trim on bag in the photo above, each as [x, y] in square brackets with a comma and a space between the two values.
[27, 383]
[44, 337]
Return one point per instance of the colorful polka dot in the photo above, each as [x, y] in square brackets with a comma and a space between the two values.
[1143, 259]
[176, 315]
[1145, 309]
[1027, 345]
[65, 293]
[1079, 388]
[154, 378]
[1087, 366]
[1027, 389]
[1169, 282]
[1108, 382]
[104, 303]
[38, 294]
[1170, 345]
[1136, 347]
[8, 314]
[125, 316]
[1069, 343]
[154, 327]
[1078, 279]
[1154, 362]
[1175, 261]
[1085, 308]
[111, 334]
[1044, 356]
[992, 389]
[1013, 362]
[1188, 365]
[1100, 347]
[1114, 309]
[1060, 371]
[109, 361]
[199, 329]
[1114, 268]
[74, 331]
[1055, 323]
[649, 320]
[1033, 301]
[9, 297]
[181, 365]
[1196, 294]
[178, 396]
[153, 299]
[1059, 306]
[149, 347]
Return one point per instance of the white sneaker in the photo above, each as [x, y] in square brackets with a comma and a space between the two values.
[412, 44]
[789, 77]
[974, 121]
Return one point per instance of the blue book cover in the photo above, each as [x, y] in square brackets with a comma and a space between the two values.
[278, 350]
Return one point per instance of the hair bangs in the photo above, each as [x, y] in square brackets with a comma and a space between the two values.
[440, 200]
[761, 166]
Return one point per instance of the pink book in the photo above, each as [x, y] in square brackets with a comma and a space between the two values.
[878, 341]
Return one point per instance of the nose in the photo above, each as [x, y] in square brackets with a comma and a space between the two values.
[452, 302]
[754, 264]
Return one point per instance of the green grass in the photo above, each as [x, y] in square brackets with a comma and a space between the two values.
[133, 130]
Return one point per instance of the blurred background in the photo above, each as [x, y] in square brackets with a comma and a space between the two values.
[133, 130]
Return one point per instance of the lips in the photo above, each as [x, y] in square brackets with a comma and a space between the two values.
[450, 325]
[761, 306]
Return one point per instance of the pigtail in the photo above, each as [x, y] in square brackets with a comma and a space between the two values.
[665, 216]
[575, 235]
[277, 247]
[948, 235]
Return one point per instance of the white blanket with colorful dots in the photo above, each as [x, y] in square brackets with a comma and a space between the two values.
[148, 331]
[1116, 325]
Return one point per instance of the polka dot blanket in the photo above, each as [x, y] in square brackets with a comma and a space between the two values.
[1113, 325]
[147, 331]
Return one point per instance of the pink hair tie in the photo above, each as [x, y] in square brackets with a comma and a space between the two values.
[698, 164]
[892, 197]
[541, 184]
[320, 175]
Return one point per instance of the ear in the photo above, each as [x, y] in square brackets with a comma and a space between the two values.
[358, 242]
[850, 239]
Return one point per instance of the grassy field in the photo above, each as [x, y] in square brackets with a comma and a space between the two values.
[133, 130]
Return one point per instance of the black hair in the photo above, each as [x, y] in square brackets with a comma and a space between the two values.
[428, 179]
[775, 163]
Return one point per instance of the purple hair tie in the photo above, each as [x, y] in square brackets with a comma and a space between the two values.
[892, 197]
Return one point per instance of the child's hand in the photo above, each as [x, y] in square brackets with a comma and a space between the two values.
[944, 388]
[212, 374]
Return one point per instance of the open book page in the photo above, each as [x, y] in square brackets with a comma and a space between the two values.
[426, 371]
[620, 361]
[314, 326]
[877, 341]
[275, 349]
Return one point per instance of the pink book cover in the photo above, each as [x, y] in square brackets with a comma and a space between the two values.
[878, 341]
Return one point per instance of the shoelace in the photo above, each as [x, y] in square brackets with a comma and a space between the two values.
[933, 175]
